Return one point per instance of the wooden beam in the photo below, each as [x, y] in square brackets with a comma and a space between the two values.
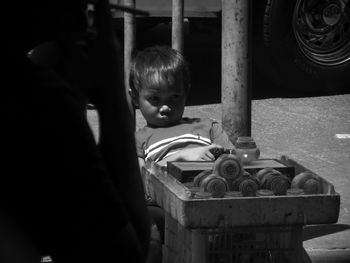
[177, 25]
[129, 46]
[236, 68]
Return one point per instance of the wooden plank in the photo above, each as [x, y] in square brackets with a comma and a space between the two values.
[256, 211]
[186, 171]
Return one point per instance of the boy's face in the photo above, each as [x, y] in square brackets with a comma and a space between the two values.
[162, 105]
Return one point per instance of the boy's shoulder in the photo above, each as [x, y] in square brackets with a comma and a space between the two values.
[185, 121]
[198, 120]
[206, 121]
[142, 131]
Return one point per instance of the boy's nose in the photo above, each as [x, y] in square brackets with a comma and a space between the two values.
[165, 109]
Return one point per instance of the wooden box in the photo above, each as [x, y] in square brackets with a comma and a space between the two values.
[175, 198]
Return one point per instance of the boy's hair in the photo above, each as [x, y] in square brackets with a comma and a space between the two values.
[155, 65]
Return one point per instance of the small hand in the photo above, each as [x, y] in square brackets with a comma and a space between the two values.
[201, 153]
[218, 151]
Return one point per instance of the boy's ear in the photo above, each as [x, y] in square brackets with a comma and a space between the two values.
[133, 97]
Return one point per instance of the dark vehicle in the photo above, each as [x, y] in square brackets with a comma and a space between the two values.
[303, 45]
[299, 47]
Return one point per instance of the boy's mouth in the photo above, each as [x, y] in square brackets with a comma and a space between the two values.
[165, 115]
[164, 118]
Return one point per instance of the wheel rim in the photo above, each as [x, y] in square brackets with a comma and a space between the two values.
[322, 30]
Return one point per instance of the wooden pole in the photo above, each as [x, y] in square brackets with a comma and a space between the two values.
[129, 46]
[177, 25]
[236, 68]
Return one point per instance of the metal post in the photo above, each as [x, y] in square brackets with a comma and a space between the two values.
[177, 25]
[236, 68]
[129, 46]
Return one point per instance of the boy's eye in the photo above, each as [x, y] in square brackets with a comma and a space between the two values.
[176, 96]
[153, 99]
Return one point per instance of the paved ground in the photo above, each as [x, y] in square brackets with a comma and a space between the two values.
[305, 129]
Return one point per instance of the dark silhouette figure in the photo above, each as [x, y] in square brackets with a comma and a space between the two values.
[61, 193]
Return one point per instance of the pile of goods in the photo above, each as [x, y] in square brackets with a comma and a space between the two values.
[227, 178]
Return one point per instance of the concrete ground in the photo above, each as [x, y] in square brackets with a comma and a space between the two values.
[310, 131]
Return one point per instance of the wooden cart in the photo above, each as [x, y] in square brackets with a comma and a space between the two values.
[237, 229]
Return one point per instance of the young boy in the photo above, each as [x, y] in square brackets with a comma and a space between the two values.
[160, 82]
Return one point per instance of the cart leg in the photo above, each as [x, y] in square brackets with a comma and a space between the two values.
[306, 258]
[166, 240]
[170, 240]
[198, 247]
[177, 242]
[297, 244]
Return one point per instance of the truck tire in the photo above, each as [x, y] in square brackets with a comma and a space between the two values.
[303, 45]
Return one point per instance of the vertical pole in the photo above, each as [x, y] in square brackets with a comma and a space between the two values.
[129, 46]
[236, 68]
[177, 25]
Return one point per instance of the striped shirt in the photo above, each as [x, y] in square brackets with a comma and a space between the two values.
[158, 143]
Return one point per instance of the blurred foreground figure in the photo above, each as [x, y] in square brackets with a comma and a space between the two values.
[61, 193]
